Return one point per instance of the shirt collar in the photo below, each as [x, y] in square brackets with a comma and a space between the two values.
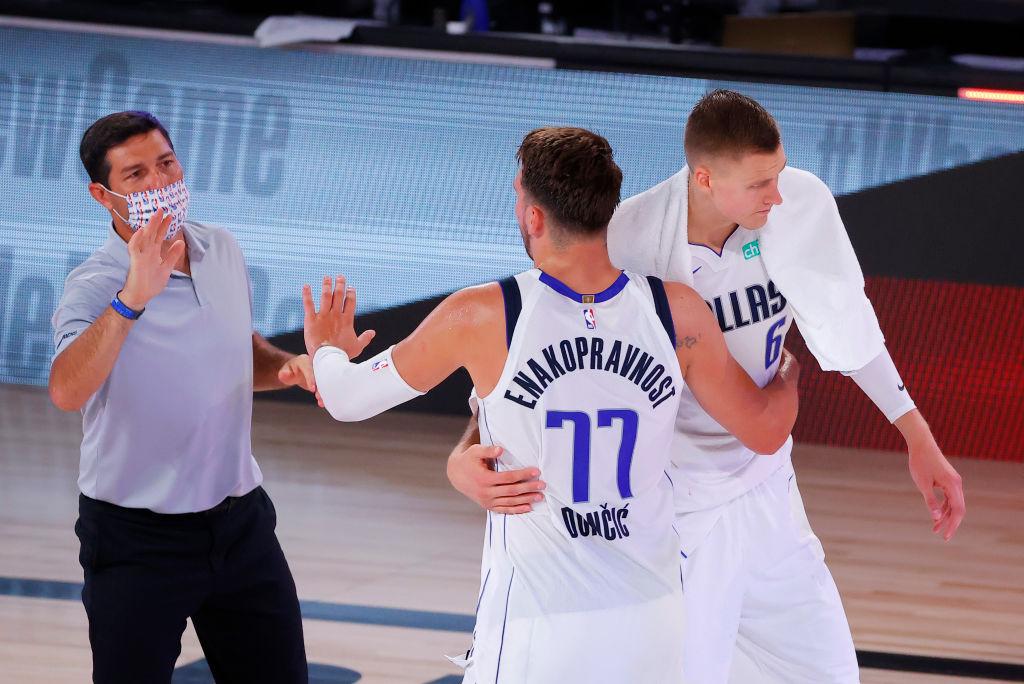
[117, 248]
[603, 296]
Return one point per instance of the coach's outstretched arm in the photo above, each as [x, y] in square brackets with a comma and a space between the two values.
[760, 418]
[454, 335]
[82, 368]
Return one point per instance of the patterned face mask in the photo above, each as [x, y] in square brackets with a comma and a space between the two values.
[173, 199]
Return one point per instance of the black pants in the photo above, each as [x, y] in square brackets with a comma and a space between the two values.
[146, 572]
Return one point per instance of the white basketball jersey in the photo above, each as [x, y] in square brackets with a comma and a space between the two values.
[589, 395]
[709, 465]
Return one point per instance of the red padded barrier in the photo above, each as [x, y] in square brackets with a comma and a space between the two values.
[960, 350]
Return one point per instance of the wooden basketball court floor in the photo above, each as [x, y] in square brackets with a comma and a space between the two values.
[386, 555]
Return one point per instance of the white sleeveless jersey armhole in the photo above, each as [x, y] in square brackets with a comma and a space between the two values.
[589, 395]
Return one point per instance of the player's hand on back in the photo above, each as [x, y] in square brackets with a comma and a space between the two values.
[472, 473]
[334, 323]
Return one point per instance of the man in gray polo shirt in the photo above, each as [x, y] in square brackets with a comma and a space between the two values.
[155, 345]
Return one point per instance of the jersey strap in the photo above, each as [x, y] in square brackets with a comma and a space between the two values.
[513, 306]
[661, 307]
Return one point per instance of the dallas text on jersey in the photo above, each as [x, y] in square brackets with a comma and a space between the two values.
[761, 305]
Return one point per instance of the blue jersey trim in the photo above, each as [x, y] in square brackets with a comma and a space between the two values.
[513, 306]
[712, 249]
[483, 589]
[662, 308]
[482, 415]
[497, 671]
[603, 296]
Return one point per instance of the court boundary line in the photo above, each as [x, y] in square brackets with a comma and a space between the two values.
[24, 587]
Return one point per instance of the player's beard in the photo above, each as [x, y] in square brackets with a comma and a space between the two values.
[526, 242]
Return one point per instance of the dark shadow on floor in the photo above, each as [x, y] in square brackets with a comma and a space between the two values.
[199, 673]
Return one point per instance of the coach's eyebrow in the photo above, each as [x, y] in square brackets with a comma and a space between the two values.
[128, 170]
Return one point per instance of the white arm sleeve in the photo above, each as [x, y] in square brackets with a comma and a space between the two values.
[357, 391]
[881, 382]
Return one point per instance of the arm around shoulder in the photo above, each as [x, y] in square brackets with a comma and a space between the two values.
[761, 418]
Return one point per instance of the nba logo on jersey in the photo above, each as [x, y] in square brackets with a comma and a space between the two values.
[379, 365]
[590, 319]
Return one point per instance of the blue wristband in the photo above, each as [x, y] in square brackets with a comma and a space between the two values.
[123, 309]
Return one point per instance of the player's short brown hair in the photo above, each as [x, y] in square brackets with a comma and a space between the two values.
[571, 173]
[726, 123]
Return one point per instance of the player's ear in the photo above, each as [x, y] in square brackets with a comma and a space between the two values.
[535, 221]
[702, 177]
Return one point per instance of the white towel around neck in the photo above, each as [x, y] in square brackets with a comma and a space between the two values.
[805, 249]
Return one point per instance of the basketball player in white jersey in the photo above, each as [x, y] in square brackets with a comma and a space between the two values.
[756, 586]
[586, 588]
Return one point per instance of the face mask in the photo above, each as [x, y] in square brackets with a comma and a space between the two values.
[173, 199]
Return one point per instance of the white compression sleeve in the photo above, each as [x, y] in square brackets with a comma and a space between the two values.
[881, 382]
[357, 391]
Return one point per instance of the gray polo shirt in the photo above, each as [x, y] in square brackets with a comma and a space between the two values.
[170, 428]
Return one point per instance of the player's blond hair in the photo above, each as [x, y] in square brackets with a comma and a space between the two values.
[727, 123]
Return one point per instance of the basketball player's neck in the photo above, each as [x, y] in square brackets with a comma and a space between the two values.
[705, 225]
[583, 265]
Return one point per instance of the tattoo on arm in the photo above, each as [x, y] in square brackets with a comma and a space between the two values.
[687, 342]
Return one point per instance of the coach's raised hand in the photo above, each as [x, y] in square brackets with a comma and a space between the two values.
[151, 261]
[334, 323]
